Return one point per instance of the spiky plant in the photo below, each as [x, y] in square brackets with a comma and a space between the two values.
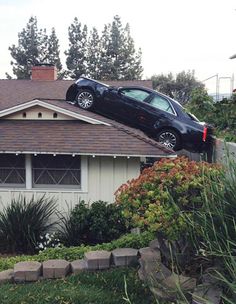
[23, 222]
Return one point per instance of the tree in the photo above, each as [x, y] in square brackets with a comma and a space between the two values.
[29, 52]
[105, 58]
[94, 55]
[34, 47]
[76, 60]
[179, 87]
[132, 67]
[119, 59]
[53, 52]
[201, 104]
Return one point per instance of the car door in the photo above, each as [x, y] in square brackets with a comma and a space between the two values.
[154, 112]
[125, 103]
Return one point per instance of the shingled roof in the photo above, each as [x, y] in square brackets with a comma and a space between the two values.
[13, 92]
[107, 137]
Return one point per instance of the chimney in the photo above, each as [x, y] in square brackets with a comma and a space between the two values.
[44, 72]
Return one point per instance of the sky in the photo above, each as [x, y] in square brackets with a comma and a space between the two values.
[174, 35]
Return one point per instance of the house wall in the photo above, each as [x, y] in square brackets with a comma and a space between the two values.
[102, 178]
[32, 114]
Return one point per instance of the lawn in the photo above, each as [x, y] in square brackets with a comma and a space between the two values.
[105, 287]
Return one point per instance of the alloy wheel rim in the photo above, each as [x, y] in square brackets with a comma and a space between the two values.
[85, 100]
[168, 140]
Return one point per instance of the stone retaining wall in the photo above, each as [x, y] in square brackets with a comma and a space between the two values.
[163, 283]
[31, 271]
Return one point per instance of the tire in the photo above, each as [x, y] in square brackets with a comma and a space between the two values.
[85, 99]
[169, 138]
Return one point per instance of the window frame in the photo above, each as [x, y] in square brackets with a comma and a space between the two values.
[14, 185]
[166, 99]
[51, 169]
[28, 186]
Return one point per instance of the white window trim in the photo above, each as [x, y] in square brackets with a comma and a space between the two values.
[29, 179]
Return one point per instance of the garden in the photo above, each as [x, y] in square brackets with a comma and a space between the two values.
[187, 206]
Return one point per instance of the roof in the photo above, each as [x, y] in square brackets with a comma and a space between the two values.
[14, 91]
[76, 138]
[88, 134]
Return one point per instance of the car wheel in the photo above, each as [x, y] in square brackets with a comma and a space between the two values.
[85, 99]
[169, 138]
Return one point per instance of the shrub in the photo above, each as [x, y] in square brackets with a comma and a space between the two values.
[101, 222]
[220, 114]
[23, 222]
[147, 201]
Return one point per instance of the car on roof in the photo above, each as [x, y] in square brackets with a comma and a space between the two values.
[159, 116]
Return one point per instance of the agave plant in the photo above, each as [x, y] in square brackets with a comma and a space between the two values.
[23, 222]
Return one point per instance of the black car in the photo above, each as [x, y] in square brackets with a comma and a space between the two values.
[159, 116]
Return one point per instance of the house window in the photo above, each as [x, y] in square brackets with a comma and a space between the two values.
[39, 115]
[55, 115]
[12, 170]
[56, 171]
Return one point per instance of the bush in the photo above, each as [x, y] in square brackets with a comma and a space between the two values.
[220, 114]
[147, 201]
[23, 223]
[74, 253]
[101, 222]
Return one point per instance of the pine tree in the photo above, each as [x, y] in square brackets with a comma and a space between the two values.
[53, 52]
[94, 55]
[34, 47]
[119, 59]
[76, 54]
[29, 51]
[116, 49]
[132, 68]
[105, 58]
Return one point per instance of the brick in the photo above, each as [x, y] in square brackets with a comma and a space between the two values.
[78, 265]
[55, 269]
[99, 259]
[6, 276]
[124, 256]
[28, 271]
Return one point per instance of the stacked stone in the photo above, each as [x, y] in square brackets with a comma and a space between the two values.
[31, 271]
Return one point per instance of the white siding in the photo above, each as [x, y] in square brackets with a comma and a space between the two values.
[104, 176]
[32, 114]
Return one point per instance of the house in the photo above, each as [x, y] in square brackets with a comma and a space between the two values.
[50, 146]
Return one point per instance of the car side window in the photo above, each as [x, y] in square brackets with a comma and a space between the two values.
[135, 93]
[161, 104]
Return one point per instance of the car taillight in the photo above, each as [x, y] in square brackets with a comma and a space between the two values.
[204, 135]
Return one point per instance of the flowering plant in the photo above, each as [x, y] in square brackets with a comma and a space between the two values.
[156, 199]
[49, 240]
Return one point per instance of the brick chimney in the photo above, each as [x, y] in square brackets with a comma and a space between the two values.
[44, 72]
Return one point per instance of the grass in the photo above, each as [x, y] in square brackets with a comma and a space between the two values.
[105, 287]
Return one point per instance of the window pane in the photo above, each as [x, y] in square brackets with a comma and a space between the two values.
[136, 94]
[162, 104]
[57, 170]
[12, 169]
